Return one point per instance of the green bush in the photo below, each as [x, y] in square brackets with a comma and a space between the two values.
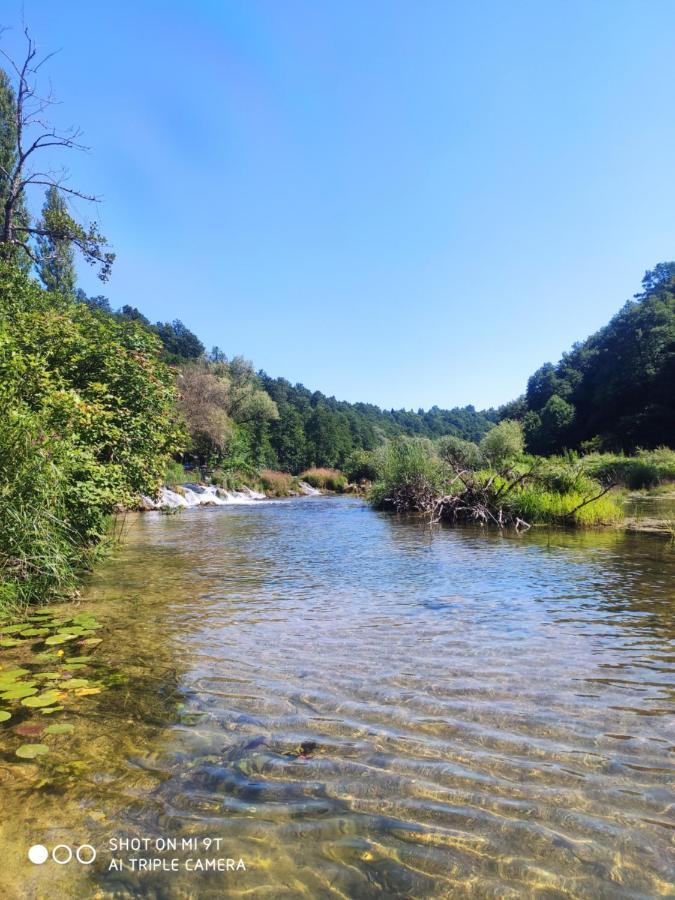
[504, 443]
[362, 465]
[459, 453]
[86, 423]
[410, 475]
[647, 469]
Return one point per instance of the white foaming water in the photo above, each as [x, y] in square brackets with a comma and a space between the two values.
[191, 495]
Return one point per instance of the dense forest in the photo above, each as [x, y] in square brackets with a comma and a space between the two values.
[616, 389]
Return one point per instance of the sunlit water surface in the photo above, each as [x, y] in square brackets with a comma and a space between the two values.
[490, 713]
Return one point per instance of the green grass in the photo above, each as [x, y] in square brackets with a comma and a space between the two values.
[540, 506]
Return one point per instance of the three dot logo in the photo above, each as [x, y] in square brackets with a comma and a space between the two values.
[62, 854]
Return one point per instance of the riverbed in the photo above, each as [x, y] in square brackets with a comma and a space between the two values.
[351, 705]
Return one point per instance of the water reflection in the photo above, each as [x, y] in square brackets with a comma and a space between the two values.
[360, 707]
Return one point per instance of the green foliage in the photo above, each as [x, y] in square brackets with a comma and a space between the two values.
[226, 410]
[534, 504]
[175, 474]
[56, 260]
[614, 389]
[413, 478]
[409, 473]
[647, 469]
[87, 421]
[504, 443]
[361, 465]
[460, 453]
[315, 430]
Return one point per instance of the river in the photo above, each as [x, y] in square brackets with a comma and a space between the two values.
[354, 706]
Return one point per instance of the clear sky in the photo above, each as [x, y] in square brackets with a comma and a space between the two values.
[409, 203]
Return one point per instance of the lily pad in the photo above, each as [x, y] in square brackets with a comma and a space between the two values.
[18, 692]
[76, 660]
[45, 657]
[65, 728]
[9, 642]
[84, 692]
[46, 699]
[13, 673]
[48, 710]
[50, 676]
[13, 629]
[4, 715]
[91, 642]
[61, 638]
[34, 632]
[30, 751]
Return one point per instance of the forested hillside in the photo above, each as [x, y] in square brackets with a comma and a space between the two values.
[616, 389]
[298, 428]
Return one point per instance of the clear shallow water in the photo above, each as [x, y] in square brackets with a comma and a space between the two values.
[492, 714]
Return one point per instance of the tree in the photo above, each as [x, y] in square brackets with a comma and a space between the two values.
[55, 256]
[25, 133]
[504, 442]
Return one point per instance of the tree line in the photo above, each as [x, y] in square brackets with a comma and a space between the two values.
[615, 391]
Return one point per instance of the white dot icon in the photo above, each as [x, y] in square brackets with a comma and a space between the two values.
[38, 854]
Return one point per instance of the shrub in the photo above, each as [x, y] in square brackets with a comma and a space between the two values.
[87, 422]
[459, 453]
[362, 465]
[411, 474]
[503, 443]
[325, 479]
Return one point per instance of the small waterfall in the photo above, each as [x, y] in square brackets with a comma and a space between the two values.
[191, 495]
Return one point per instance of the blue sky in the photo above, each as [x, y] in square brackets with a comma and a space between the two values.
[408, 203]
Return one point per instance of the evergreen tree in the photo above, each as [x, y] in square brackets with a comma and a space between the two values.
[55, 256]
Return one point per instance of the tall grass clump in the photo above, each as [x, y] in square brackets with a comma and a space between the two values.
[410, 475]
[277, 484]
[175, 474]
[647, 469]
[325, 479]
[534, 504]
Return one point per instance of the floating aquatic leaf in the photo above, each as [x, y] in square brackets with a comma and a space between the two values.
[51, 676]
[48, 710]
[30, 751]
[84, 692]
[4, 715]
[91, 642]
[76, 660]
[46, 699]
[8, 642]
[29, 729]
[12, 629]
[45, 657]
[34, 632]
[19, 691]
[13, 673]
[61, 638]
[72, 683]
[65, 728]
